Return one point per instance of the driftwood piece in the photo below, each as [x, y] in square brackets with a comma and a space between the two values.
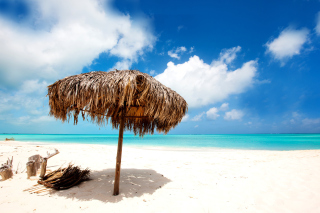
[44, 162]
[9, 139]
[31, 168]
[6, 169]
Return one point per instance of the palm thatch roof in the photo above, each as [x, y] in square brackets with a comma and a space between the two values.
[145, 103]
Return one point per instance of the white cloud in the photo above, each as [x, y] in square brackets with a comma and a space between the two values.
[185, 118]
[31, 86]
[21, 120]
[44, 118]
[191, 50]
[234, 115]
[289, 43]
[318, 24]
[228, 55]
[123, 65]
[308, 121]
[196, 126]
[296, 115]
[180, 27]
[175, 53]
[198, 117]
[202, 84]
[224, 106]
[29, 101]
[152, 72]
[62, 36]
[212, 113]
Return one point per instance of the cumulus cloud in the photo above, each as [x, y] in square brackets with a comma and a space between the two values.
[198, 117]
[212, 113]
[224, 106]
[289, 43]
[202, 84]
[175, 53]
[318, 24]
[60, 37]
[234, 115]
[185, 118]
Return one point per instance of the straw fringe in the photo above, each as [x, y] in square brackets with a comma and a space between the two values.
[102, 96]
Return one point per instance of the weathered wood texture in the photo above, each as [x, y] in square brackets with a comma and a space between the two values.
[31, 168]
[6, 169]
[44, 162]
[119, 154]
[43, 167]
[37, 160]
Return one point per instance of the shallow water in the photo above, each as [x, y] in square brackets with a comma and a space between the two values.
[249, 141]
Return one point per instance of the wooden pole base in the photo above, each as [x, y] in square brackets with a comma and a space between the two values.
[118, 164]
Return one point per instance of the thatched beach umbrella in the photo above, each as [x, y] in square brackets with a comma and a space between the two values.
[128, 99]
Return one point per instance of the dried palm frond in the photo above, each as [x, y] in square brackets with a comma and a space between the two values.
[65, 178]
[146, 103]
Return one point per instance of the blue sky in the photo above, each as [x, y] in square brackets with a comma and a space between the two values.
[243, 66]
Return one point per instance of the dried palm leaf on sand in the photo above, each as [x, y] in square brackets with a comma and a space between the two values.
[65, 178]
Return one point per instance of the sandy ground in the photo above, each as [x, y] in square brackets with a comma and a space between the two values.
[163, 180]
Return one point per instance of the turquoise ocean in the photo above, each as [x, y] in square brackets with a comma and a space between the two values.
[229, 141]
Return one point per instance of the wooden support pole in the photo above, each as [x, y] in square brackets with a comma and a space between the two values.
[44, 162]
[119, 153]
[43, 167]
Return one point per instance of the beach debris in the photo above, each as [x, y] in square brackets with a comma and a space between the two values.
[37, 160]
[31, 168]
[65, 178]
[38, 188]
[17, 168]
[33, 165]
[6, 169]
[9, 139]
[44, 162]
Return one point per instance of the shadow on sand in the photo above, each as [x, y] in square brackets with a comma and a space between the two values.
[133, 183]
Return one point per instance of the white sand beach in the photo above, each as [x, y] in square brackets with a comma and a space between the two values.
[168, 180]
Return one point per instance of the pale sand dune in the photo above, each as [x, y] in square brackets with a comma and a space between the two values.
[160, 180]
